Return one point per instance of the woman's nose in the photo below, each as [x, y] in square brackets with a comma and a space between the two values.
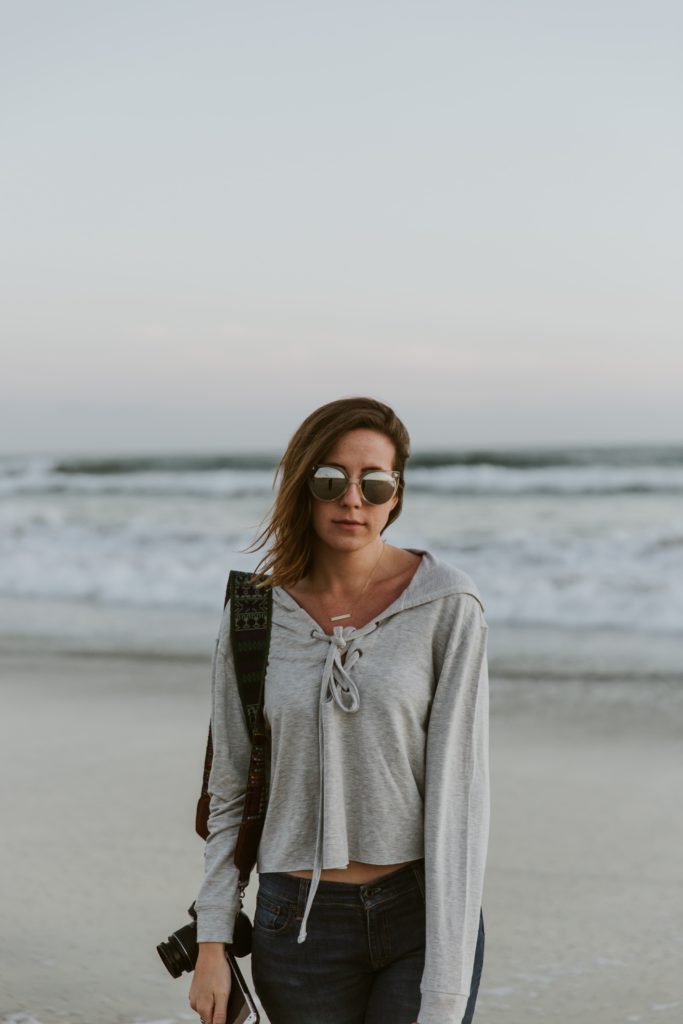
[352, 495]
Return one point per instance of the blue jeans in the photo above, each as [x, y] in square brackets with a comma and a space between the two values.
[364, 953]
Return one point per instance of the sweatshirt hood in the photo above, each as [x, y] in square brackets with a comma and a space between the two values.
[432, 580]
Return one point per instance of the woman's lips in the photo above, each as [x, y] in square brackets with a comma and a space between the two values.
[348, 525]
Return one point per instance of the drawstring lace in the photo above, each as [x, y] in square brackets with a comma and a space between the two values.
[338, 684]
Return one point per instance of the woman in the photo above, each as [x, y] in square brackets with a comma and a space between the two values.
[372, 857]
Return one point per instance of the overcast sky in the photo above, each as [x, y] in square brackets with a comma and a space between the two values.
[471, 211]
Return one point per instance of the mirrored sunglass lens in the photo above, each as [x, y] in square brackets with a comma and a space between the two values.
[328, 483]
[378, 487]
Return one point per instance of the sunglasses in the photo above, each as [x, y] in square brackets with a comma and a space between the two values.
[377, 486]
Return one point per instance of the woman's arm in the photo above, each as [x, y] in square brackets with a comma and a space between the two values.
[457, 810]
[217, 903]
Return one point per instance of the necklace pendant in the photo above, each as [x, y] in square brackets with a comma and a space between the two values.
[336, 618]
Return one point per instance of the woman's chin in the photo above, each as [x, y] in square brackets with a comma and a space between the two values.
[345, 540]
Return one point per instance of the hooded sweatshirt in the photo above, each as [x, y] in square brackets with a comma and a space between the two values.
[379, 754]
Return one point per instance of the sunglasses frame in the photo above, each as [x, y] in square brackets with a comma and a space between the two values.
[395, 473]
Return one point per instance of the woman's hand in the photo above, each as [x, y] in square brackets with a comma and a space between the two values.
[211, 983]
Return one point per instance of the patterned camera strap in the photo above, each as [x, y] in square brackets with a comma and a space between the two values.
[250, 624]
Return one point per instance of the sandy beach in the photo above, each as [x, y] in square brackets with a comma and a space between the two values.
[101, 760]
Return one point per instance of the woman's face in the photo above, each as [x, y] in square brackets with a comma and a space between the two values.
[355, 451]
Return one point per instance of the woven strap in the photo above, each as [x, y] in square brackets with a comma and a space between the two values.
[250, 623]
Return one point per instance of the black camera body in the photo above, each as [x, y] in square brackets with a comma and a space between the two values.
[179, 952]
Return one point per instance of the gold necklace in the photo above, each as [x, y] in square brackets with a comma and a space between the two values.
[347, 615]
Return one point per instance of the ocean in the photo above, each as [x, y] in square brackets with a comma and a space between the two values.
[575, 541]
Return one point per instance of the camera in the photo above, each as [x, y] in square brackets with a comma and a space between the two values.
[179, 952]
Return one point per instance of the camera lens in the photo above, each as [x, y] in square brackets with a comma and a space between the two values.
[179, 952]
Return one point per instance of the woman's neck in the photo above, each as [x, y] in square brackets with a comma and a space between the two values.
[343, 572]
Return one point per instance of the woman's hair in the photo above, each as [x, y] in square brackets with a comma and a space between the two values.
[288, 525]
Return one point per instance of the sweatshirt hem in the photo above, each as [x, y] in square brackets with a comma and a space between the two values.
[442, 1007]
[213, 924]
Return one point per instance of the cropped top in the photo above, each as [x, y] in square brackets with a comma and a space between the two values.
[379, 754]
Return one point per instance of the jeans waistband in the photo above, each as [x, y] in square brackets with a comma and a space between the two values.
[295, 890]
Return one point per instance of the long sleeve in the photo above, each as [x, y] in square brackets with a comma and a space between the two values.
[457, 812]
[218, 903]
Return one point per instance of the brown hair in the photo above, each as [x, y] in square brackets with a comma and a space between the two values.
[288, 524]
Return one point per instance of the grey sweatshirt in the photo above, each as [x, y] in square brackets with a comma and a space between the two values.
[381, 759]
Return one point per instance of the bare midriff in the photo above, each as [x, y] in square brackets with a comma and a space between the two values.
[356, 873]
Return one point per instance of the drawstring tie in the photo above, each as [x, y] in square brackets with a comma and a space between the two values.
[338, 685]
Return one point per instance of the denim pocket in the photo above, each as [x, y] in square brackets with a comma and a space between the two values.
[272, 915]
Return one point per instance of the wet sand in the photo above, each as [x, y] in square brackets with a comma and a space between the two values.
[101, 766]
